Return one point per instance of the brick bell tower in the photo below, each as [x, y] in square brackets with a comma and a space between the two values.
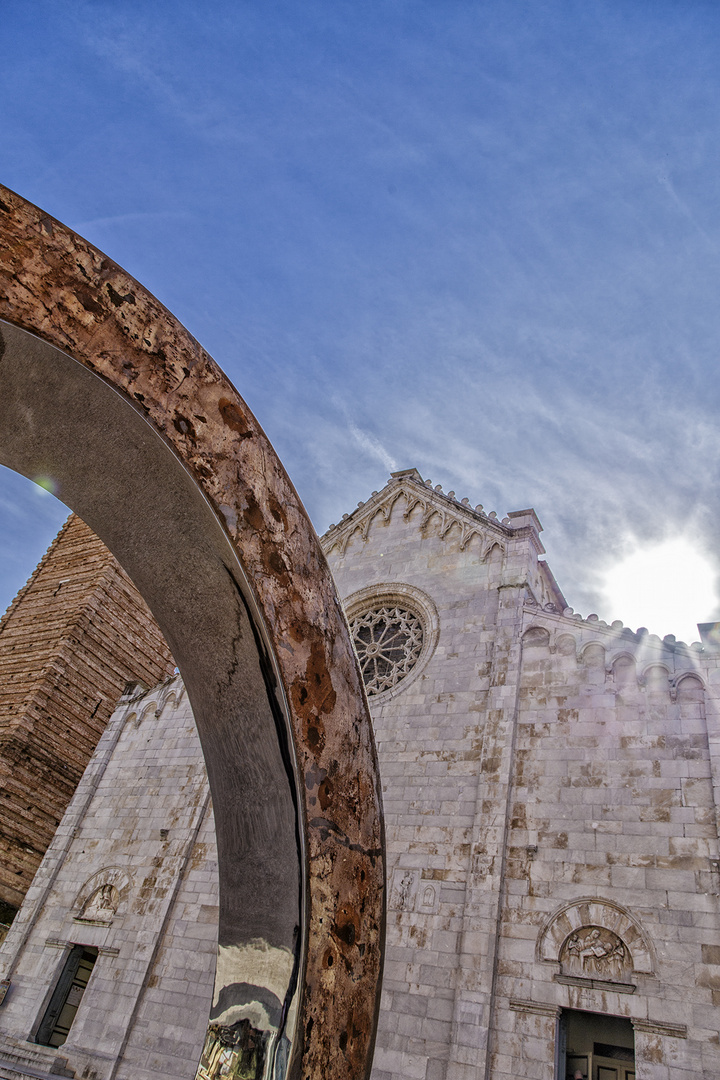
[75, 635]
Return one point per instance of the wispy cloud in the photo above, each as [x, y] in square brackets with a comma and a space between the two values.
[685, 210]
[480, 240]
[124, 219]
[371, 446]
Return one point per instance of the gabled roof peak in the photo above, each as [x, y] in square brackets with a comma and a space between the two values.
[413, 474]
[472, 521]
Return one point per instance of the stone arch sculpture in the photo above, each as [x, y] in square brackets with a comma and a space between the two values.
[592, 655]
[655, 678]
[105, 393]
[566, 645]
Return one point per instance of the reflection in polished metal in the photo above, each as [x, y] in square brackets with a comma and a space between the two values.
[186, 491]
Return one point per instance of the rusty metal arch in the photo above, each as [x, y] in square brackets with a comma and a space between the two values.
[150, 443]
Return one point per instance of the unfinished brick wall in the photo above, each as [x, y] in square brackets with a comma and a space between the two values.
[72, 639]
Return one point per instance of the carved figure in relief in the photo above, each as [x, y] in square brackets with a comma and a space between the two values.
[404, 891]
[595, 953]
[102, 905]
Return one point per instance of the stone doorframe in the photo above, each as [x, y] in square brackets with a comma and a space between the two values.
[109, 399]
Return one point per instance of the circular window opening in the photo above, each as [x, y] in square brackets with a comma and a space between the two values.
[394, 628]
[388, 642]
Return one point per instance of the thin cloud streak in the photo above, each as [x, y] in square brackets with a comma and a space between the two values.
[124, 219]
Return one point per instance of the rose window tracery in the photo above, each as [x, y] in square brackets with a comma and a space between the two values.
[388, 641]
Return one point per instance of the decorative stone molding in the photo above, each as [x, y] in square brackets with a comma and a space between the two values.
[538, 1007]
[657, 1027]
[102, 896]
[406, 599]
[410, 492]
[596, 984]
[152, 703]
[66, 943]
[597, 940]
[592, 654]
[631, 660]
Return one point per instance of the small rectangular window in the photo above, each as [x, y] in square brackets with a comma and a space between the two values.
[67, 995]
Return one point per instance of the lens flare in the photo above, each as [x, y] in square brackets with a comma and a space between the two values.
[46, 484]
[668, 588]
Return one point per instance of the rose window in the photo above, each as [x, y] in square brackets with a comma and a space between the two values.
[388, 641]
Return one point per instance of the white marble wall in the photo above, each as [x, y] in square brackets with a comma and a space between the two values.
[542, 774]
[140, 819]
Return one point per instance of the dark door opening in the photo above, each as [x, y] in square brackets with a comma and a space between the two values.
[595, 1047]
[60, 1013]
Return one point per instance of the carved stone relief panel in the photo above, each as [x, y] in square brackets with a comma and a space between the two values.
[404, 890]
[595, 938]
[103, 896]
[428, 897]
[594, 952]
[101, 906]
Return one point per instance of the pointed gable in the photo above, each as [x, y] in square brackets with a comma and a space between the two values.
[406, 492]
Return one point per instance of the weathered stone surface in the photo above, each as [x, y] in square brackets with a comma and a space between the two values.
[140, 824]
[556, 780]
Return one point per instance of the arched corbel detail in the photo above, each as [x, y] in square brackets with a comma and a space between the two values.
[536, 637]
[646, 678]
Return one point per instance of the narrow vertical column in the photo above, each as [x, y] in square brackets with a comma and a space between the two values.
[481, 921]
[710, 706]
[470, 1053]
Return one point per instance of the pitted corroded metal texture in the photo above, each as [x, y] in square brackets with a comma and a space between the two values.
[61, 289]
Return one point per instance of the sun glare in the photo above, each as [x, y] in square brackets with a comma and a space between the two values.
[668, 588]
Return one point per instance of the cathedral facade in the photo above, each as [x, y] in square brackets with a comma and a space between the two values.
[551, 786]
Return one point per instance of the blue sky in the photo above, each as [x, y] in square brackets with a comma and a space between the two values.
[482, 239]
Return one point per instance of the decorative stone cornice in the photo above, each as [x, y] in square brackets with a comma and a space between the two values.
[596, 984]
[409, 488]
[660, 1027]
[645, 651]
[539, 1008]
